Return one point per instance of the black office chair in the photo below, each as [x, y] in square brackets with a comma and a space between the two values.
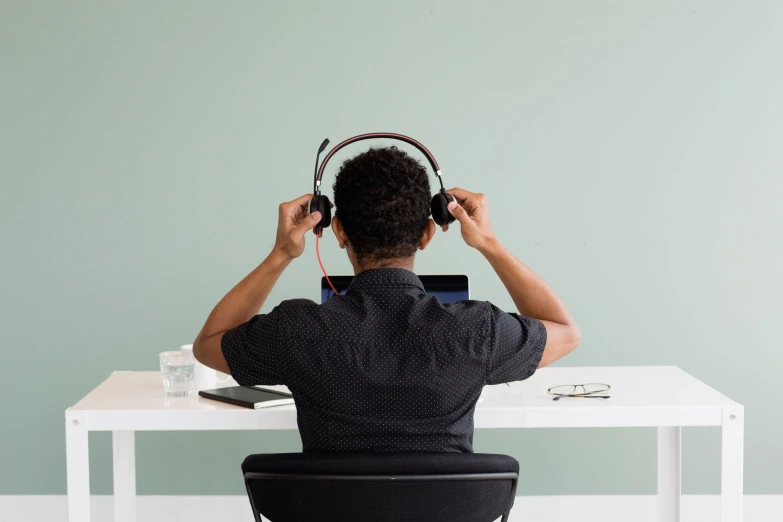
[366, 487]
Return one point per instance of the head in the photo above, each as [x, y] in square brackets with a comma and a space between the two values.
[382, 206]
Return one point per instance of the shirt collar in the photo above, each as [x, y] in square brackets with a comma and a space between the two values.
[385, 278]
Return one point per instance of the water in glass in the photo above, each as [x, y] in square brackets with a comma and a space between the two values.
[178, 371]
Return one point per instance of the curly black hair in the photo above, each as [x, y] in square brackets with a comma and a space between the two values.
[382, 197]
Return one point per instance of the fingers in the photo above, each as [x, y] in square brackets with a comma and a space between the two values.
[473, 203]
[297, 208]
[308, 223]
[460, 214]
[301, 200]
[460, 194]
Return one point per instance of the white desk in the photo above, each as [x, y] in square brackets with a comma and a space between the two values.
[662, 397]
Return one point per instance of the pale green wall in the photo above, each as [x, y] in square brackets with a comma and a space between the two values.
[631, 152]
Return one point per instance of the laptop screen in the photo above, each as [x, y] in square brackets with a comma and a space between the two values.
[447, 288]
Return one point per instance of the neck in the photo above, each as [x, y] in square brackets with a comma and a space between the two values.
[405, 263]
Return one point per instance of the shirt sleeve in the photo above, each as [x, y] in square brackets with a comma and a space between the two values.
[517, 344]
[254, 351]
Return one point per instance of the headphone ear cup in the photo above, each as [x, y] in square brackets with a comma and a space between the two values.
[322, 205]
[440, 209]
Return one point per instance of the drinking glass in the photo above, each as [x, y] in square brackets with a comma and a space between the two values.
[177, 369]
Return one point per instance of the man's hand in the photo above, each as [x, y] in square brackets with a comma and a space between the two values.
[293, 222]
[472, 212]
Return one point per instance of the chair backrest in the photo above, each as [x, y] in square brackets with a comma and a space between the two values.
[364, 487]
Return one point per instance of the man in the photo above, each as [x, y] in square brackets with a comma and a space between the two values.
[385, 367]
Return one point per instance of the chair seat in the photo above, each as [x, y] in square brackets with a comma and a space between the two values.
[372, 463]
[364, 487]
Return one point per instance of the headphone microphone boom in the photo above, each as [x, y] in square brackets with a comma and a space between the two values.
[317, 203]
[321, 203]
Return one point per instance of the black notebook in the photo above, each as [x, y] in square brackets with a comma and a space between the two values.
[248, 396]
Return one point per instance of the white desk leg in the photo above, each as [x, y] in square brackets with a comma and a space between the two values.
[731, 464]
[669, 474]
[77, 464]
[124, 456]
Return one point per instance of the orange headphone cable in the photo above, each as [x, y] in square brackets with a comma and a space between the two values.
[318, 254]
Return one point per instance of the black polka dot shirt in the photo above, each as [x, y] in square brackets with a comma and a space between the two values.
[385, 367]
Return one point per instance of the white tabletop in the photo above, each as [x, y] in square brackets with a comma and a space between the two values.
[640, 396]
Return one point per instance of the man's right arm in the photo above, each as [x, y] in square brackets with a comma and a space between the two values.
[531, 295]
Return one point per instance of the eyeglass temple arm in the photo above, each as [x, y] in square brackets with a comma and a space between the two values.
[581, 397]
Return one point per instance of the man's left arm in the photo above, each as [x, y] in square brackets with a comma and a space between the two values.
[248, 296]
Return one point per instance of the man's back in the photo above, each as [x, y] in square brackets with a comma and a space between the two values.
[385, 367]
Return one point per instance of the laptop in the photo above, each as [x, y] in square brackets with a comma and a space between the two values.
[447, 288]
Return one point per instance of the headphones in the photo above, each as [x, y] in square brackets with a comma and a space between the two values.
[440, 201]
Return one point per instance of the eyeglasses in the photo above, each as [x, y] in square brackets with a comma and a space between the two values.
[579, 391]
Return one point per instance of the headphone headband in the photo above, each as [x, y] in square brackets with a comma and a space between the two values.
[376, 135]
[319, 203]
